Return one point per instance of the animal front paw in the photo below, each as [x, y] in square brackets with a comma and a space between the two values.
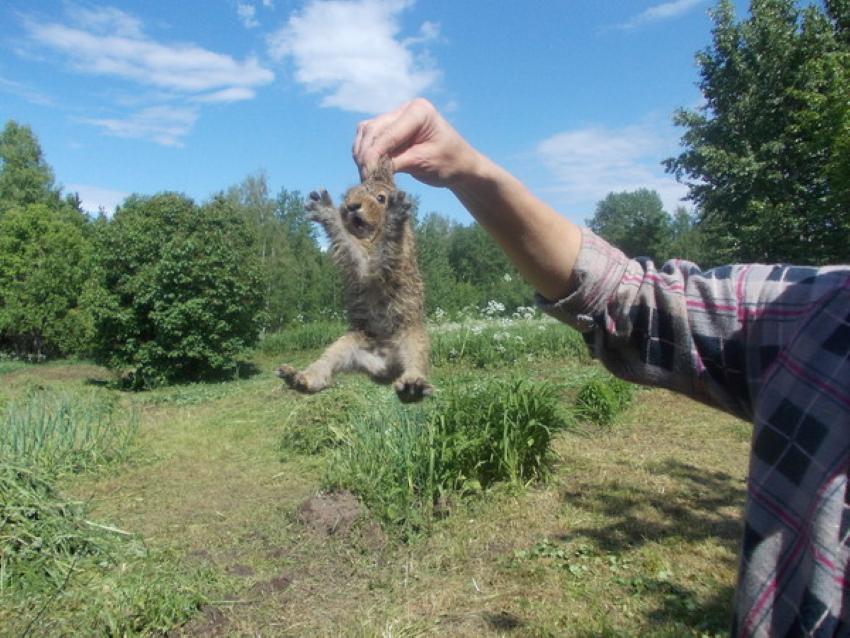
[320, 206]
[411, 389]
[399, 206]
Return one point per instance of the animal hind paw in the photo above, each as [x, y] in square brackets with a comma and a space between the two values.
[412, 389]
[294, 379]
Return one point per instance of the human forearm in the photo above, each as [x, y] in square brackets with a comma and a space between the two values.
[541, 243]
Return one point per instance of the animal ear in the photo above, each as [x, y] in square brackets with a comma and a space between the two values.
[383, 171]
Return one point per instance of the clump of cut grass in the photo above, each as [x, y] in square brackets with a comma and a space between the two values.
[58, 431]
[305, 336]
[602, 398]
[404, 463]
[41, 534]
[498, 343]
[309, 427]
[54, 562]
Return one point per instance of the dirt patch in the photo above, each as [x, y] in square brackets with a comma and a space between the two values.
[211, 622]
[340, 514]
[503, 620]
[271, 586]
[240, 570]
[334, 513]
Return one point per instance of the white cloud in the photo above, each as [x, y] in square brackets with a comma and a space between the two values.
[164, 125]
[180, 67]
[588, 163]
[95, 198]
[247, 14]
[660, 12]
[351, 54]
[27, 92]
[233, 94]
[106, 41]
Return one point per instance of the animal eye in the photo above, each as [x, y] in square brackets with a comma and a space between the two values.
[382, 199]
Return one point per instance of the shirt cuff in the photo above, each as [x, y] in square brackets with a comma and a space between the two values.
[598, 270]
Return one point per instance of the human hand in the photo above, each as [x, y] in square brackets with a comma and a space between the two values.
[418, 141]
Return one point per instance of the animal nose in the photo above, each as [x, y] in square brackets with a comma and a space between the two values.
[353, 206]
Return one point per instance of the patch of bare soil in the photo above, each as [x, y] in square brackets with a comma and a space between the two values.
[211, 622]
[271, 586]
[340, 514]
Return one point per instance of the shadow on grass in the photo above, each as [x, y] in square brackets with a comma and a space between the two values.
[704, 504]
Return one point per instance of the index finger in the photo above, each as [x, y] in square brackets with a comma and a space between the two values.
[389, 134]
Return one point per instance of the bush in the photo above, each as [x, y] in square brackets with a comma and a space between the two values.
[601, 399]
[182, 293]
[404, 462]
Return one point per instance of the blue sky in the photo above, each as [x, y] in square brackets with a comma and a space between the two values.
[573, 96]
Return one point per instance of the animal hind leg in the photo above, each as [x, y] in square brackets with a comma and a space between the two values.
[413, 350]
[346, 353]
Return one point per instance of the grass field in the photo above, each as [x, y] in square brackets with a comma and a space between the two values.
[212, 520]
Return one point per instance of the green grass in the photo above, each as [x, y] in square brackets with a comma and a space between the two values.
[61, 431]
[634, 532]
[54, 561]
[404, 463]
[305, 336]
[493, 343]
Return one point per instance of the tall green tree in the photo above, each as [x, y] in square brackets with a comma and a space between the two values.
[46, 267]
[181, 290]
[299, 282]
[25, 177]
[766, 157]
[635, 222]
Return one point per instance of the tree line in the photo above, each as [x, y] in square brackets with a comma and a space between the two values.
[167, 289]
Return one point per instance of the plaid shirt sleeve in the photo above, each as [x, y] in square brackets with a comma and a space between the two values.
[769, 344]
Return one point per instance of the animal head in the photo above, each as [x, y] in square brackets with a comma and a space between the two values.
[364, 206]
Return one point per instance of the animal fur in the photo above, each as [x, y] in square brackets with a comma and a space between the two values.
[371, 242]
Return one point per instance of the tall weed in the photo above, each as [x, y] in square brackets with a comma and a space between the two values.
[404, 462]
[57, 431]
[602, 398]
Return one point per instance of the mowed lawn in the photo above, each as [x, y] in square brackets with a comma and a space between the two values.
[635, 533]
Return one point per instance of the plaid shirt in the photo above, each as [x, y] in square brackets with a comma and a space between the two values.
[769, 344]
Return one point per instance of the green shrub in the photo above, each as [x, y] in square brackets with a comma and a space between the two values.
[403, 462]
[602, 398]
[57, 432]
[181, 294]
[304, 336]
